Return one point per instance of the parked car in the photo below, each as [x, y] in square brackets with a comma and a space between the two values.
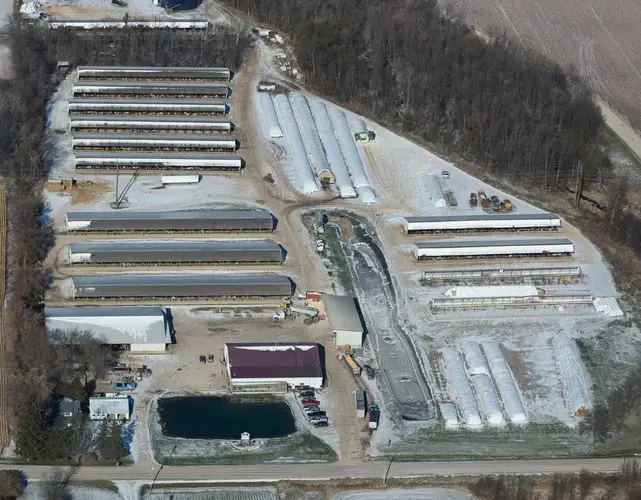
[306, 394]
[322, 423]
[203, 359]
[310, 402]
[310, 409]
[317, 419]
[445, 174]
[317, 414]
[495, 202]
[210, 358]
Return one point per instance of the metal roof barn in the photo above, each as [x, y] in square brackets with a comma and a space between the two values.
[498, 222]
[86, 87]
[151, 142]
[180, 286]
[204, 162]
[143, 328]
[186, 222]
[127, 252]
[344, 319]
[109, 407]
[448, 249]
[152, 72]
[149, 106]
[131, 23]
[255, 363]
[150, 123]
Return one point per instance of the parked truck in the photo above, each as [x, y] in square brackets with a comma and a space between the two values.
[374, 416]
[308, 311]
[361, 402]
[352, 365]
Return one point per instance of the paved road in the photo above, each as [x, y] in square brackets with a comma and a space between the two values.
[330, 471]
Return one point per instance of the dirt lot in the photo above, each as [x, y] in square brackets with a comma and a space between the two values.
[597, 39]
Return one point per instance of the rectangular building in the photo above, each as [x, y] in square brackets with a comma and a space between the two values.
[263, 363]
[116, 408]
[344, 320]
[140, 329]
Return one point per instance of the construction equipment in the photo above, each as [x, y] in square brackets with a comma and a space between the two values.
[473, 200]
[486, 204]
[507, 206]
[352, 365]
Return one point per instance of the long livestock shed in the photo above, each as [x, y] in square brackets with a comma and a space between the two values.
[180, 222]
[153, 142]
[478, 223]
[149, 124]
[474, 248]
[130, 23]
[151, 73]
[95, 88]
[212, 252]
[203, 162]
[149, 106]
[180, 286]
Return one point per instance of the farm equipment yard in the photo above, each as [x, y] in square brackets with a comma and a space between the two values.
[472, 300]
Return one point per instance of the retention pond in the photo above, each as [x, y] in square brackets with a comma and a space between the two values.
[210, 417]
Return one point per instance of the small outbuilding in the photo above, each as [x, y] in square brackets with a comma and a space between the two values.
[112, 408]
[345, 320]
[69, 407]
[253, 364]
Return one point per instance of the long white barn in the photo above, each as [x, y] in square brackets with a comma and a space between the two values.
[481, 222]
[474, 248]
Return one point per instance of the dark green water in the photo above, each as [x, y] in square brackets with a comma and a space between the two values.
[210, 417]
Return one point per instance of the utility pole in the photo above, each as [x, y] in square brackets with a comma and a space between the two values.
[117, 177]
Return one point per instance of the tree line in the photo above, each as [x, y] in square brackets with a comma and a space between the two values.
[625, 484]
[407, 64]
[41, 374]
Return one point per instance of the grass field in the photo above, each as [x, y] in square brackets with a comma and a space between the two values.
[598, 39]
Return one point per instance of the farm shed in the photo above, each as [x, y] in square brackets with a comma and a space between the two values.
[184, 222]
[475, 248]
[112, 408]
[288, 122]
[100, 142]
[479, 292]
[487, 397]
[332, 149]
[309, 133]
[462, 388]
[126, 252]
[505, 382]
[131, 23]
[140, 329]
[100, 88]
[148, 124]
[166, 180]
[269, 116]
[172, 286]
[149, 106]
[474, 357]
[204, 162]
[480, 222]
[448, 412]
[151, 73]
[344, 320]
[261, 363]
[572, 373]
[352, 157]
[501, 273]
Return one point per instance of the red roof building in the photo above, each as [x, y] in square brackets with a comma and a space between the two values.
[260, 363]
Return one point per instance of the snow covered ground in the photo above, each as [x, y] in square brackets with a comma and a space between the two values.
[404, 494]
